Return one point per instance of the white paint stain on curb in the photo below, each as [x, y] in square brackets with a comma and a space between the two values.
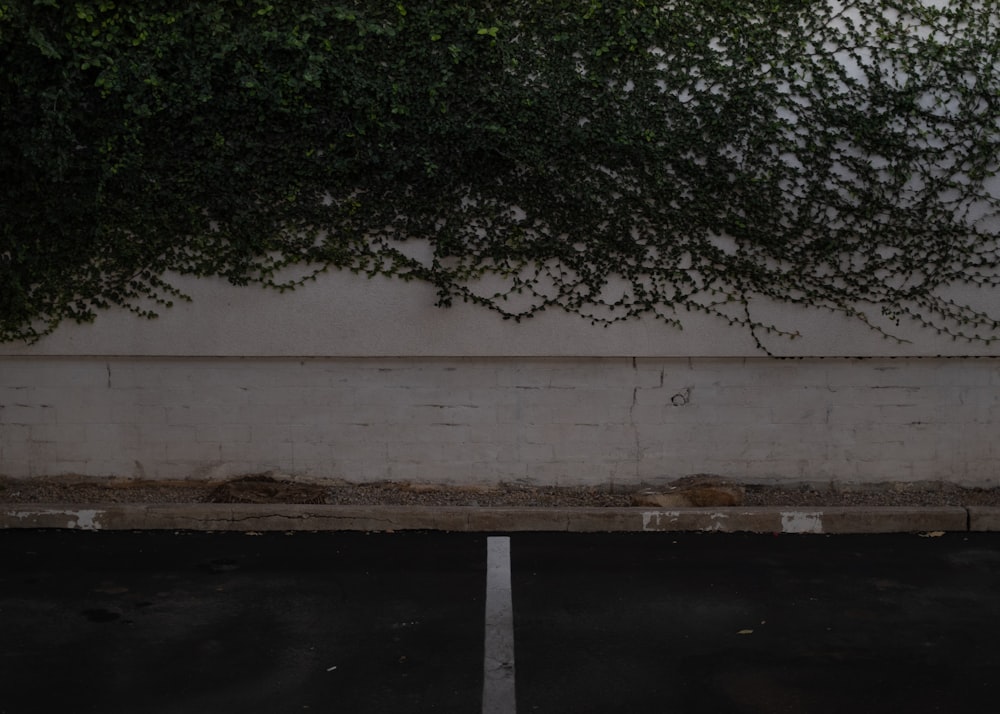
[723, 521]
[651, 520]
[802, 522]
[661, 520]
[717, 523]
[85, 520]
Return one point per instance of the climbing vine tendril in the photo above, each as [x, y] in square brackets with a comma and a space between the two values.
[611, 159]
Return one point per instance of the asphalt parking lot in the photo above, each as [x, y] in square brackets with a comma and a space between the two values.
[167, 622]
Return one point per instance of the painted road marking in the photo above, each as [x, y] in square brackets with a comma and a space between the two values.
[498, 661]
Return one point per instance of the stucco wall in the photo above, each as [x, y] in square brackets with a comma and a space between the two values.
[346, 315]
[542, 420]
[367, 380]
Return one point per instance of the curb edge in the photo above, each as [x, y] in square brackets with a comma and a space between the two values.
[284, 517]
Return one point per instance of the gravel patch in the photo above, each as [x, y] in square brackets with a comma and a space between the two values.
[268, 489]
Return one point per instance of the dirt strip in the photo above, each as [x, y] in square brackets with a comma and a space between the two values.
[276, 489]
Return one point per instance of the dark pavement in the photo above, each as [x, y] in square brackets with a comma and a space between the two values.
[203, 623]
[706, 624]
[345, 622]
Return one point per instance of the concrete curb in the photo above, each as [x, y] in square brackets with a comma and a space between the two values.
[984, 518]
[282, 517]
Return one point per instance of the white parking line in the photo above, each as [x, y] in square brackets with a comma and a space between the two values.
[498, 662]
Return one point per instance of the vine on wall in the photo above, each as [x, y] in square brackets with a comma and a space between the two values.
[608, 158]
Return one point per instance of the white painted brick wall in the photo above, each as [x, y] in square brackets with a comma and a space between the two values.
[596, 421]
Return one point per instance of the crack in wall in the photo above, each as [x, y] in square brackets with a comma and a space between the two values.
[635, 432]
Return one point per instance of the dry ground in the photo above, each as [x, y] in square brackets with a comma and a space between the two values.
[276, 489]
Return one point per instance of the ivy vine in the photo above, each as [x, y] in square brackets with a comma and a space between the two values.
[608, 158]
